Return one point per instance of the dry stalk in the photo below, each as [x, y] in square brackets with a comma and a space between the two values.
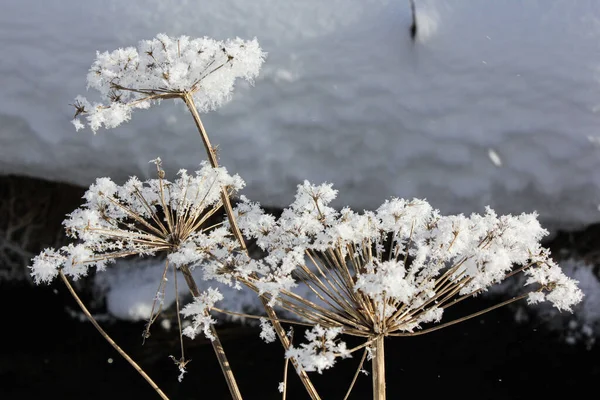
[378, 368]
[109, 339]
[358, 369]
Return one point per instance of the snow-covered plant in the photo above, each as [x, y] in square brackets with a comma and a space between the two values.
[143, 218]
[582, 327]
[202, 71]
[391, 272]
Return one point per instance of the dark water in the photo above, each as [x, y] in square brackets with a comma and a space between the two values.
[46, 353]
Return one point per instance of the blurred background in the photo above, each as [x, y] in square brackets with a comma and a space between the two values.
[487, 103]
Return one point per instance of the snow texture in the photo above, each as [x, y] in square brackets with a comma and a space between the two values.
[345, 96]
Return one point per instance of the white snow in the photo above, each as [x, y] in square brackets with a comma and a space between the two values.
[345, 96]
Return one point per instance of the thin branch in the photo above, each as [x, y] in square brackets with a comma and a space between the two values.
[109, 339]
[456, 321]
[360, 365]
[215, 342]
[178, 315]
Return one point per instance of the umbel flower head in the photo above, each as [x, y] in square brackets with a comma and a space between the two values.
[144, 218]
[392, 271]
[166, 68]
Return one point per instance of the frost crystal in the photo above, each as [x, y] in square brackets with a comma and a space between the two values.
[198, 310]
[321, 350]
[267, 332]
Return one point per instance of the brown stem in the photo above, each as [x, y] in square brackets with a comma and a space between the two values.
[212, 157]
[109, 339]
[215, 342]
[285, 342]
[378, 362]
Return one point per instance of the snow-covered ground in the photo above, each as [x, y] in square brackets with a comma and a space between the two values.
[494, 103]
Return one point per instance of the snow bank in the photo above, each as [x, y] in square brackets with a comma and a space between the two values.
[494, 103]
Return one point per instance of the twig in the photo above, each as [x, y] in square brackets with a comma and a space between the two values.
[413, 24]
[458, 320]
[109, 339]
[360, 365]
[285, 375]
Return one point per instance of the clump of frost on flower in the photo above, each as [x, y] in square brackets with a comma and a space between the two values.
[396, 269]
[267, 332]
[582, 326]
[198, 310]
[73, 259]
[144, 218]
[166, 68]
[564, 292]
[321, 350]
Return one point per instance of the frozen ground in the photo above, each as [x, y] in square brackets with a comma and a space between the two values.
[494, 103]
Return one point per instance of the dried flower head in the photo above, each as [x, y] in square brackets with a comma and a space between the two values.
[144, 218]
[390, 272]
[166, 68]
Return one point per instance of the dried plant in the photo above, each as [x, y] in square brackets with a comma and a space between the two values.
[374, 275]
[142, 219]
[389, 273]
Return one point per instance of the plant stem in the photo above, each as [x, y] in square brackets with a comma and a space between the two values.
[215, 342]
[109, 339]
[378, 363]
[212, 157]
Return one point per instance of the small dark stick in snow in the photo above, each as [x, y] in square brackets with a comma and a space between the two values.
[413, 25]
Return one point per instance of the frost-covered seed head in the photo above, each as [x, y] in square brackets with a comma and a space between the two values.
[166, 68]
[391, 271]
[143, 218]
